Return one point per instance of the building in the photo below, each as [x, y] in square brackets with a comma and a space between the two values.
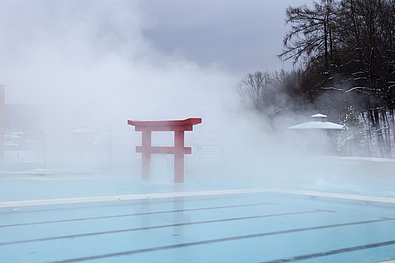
[318, 134]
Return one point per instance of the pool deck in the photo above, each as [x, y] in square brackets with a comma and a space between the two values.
[184, 225]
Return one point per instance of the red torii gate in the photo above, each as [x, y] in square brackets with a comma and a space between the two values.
[146, 149]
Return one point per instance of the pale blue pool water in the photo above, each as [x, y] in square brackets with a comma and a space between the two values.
[260, 227]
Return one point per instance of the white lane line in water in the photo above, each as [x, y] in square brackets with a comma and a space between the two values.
[112, 198]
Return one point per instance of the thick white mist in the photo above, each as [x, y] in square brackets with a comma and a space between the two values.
[87, 64]
[87, 59]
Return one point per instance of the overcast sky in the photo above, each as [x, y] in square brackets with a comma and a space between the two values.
[240, 36]
[97, 63]
[95, 52]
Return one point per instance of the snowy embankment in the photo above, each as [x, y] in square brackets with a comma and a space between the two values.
[368, 159]
[356, 175]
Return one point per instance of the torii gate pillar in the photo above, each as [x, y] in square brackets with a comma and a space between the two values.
[146, 149]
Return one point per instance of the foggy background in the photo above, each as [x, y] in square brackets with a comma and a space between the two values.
[94, 64]
[85, 67]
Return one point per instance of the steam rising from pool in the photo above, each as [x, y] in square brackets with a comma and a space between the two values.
[87, 67]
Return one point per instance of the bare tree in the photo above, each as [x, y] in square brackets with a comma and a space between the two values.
[311, 35]
[348, 47]
[262, 91]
